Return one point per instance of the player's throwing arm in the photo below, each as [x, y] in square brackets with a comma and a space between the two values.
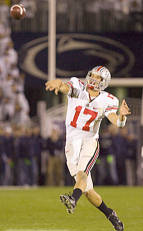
[57, 85]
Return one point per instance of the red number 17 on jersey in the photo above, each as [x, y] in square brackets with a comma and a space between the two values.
[86, 112]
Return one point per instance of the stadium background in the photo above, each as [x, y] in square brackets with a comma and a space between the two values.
[32, 131]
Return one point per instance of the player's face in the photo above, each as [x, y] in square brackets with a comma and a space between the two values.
[94, 80]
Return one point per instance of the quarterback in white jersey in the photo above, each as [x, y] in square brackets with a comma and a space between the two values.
[88, 104]
[85, 112]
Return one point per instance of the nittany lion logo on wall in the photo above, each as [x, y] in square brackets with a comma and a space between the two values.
[76, 54]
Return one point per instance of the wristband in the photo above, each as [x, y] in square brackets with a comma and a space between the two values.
[120, 123]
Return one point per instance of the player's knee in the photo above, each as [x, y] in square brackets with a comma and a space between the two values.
[82, 176]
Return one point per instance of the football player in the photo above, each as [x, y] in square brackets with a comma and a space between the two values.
[88, 104]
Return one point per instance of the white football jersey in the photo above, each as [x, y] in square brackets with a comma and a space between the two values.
[84, 114]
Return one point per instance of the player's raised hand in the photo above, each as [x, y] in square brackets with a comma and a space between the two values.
[53, 85]
[124, 109]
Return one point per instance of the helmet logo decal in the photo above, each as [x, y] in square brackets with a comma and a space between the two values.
[99, 68]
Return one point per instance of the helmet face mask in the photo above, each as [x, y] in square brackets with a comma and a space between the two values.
[93, 82]
[99, 83]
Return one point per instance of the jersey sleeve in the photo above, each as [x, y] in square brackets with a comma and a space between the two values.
[112, 106]
[74, 85]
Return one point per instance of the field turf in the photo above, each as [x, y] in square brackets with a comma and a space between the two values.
[40, 209]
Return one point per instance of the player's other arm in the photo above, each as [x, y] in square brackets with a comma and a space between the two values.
[120, 119]
[57, 85]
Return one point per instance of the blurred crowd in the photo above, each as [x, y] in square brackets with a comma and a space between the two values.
[100, 15]
[27, 159]
[83, 16]
[14, 106]
[117, 163]
[20, 149]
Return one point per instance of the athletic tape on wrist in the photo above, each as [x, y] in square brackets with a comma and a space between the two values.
[120, 123]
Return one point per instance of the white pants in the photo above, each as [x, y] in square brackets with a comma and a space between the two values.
[81, 155]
